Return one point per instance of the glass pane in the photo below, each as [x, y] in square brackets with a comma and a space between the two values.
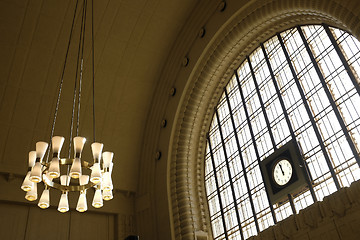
[311, 119]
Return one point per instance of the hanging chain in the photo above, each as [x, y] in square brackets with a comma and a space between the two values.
[79, 61]
[93, 71]
[81, 70]
[61, 83]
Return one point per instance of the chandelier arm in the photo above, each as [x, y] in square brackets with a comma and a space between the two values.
[68, 179]
[81, 67]
[75, 82]
[70, 188]
[61, 82]
[93, 71]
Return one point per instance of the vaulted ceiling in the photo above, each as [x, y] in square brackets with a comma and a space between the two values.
[143, 48]
[132, 42]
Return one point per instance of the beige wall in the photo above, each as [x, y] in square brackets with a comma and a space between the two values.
[30, 222]
[170, 200]
[171, 192]
[21, 219]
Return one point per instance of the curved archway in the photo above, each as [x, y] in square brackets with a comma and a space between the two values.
[289, 92]
[237, 37]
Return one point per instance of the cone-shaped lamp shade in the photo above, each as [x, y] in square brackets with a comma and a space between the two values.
[81, 204]
[79, 145]
[57, 143]
[107, 157]
[97, 201]
[47, 177]
[44, 201]
[27, 185]
[75, 171]
[32, 158]
[107, 195]
[107, 181]
[64, 203]
[32, 194]
[54, 169]
[97, 150]
[41, 149]
[64, 180]
[111, 167]
[35, 175]
[84, 179]
[95, 173]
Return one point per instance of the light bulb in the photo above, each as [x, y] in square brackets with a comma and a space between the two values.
[32, 194]
[75, 171]
[84, 179]
[63, 203]
[78, 145]
[107, 157]
[44, 201]
[107, 195]
[35, 175]
[81, 204]
[54, 169]
[32, 158]
[95, 173]
[96, 151]
[27, 185]
[41, 149]
[107, 182]
[97, 201]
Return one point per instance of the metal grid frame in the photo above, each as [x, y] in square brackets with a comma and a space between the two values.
[301, 84]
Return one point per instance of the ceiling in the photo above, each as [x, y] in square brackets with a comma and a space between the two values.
[133, 39]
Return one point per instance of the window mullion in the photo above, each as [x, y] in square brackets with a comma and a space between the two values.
[262, 104]
[291, 201]
[228, 168]
[242, 164]
[254, 142]
[287, 119]
[342, 58]
[330, 97]
[313, 123]
[260, 117]
[217, 187]
[290, 198]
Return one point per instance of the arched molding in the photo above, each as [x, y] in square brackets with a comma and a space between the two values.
[239, 35]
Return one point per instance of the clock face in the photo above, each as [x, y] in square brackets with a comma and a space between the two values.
[282, 172]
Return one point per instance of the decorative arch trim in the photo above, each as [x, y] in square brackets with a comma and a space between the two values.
[239, 35]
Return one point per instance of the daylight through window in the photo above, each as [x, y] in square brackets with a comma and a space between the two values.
[301, 84]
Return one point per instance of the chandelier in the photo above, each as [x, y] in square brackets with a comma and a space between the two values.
[71, 174]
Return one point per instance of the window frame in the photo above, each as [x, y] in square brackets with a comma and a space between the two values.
[244, 99]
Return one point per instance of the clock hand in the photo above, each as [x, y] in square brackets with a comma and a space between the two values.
[281, 170]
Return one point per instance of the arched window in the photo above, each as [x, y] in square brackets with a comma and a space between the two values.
[299, 86]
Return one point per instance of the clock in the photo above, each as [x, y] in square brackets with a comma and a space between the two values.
[284, 172]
